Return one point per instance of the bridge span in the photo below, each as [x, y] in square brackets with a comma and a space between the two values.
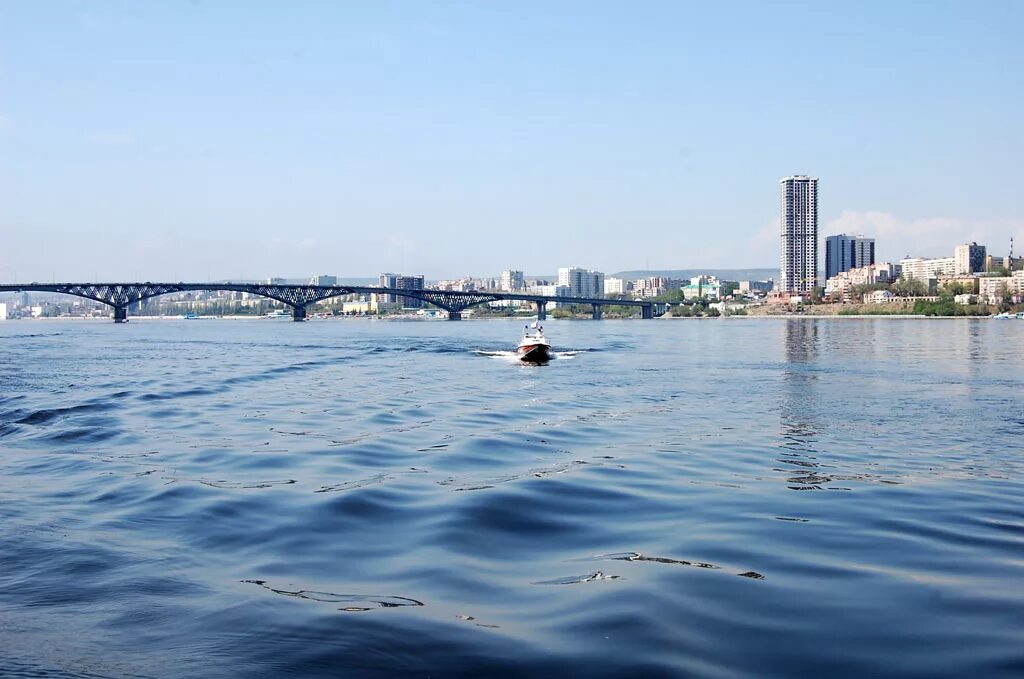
[120, 296]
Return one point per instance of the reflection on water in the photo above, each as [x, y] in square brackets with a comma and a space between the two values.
[369, 498]
[799, 404]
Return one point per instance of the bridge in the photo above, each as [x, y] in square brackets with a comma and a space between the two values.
[120, 296]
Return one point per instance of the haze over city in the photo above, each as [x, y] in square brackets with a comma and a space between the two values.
[222, 140]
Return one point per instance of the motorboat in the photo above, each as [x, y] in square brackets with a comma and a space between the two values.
[1003, 316]
[278, 313]
[534, 347]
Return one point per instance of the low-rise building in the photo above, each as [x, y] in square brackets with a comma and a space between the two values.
[878, 297]
[4, 312]
[840, 285]
[753, 287]
[324, 280]
[991, 289]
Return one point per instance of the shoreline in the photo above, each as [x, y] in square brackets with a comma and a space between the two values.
[512, 318]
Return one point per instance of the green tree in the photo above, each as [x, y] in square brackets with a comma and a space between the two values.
[909, 287]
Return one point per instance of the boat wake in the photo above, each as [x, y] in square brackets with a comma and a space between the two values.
[513, 356]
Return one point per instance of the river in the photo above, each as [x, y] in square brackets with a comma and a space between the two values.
[720, 497]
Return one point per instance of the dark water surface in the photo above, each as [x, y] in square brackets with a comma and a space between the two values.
[741, 497]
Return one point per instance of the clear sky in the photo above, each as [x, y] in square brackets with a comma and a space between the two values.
[215, 139]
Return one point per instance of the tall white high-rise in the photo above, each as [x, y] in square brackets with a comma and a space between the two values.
[582, 282]
[799, 232]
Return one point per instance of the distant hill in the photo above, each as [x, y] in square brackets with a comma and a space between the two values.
[721, 274]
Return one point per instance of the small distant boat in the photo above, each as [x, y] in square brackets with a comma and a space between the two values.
[1020, 316]
[190, 316]
[1003, 316]
[278, 313]
[534, 347]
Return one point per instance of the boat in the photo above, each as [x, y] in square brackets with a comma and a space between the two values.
[190, 316]
[278, 313]
[1003, 316]
[1020, 315]
[534, 347]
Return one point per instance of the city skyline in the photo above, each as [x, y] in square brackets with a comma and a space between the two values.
[363, 139]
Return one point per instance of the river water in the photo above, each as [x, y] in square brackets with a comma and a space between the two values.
[721, 497]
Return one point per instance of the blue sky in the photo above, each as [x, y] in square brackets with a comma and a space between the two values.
[189, 140]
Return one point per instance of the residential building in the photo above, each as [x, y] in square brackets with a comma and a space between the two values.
[750, 287]
[799, 234]
[1008, 263]
[617, 286]
[656, 285]
[400, 282]
[992, 288]
[582, 282]
[277, 281]
[843, 253]
[512, 281]
[923, 269]
[843, 283]
[708, 287]
[324, 280]
[970, 258]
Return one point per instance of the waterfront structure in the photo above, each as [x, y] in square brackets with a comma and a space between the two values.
[924, 269]
[4, 313]
[799, 234]
[843, 253]
[324, 280]
[512, 280]
[970, 258]
[581, 282]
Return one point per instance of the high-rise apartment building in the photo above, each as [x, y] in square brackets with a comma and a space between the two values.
[799, 234]
[401, 282]
[582, 282]
[970, 258]
[323, 280]
[512, 280]
[843, 253]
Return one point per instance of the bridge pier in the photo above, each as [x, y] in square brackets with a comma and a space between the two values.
[647, 311]
[454, 315]
[597, 312]
[298, 313]
[542, 311]
[120, 314]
